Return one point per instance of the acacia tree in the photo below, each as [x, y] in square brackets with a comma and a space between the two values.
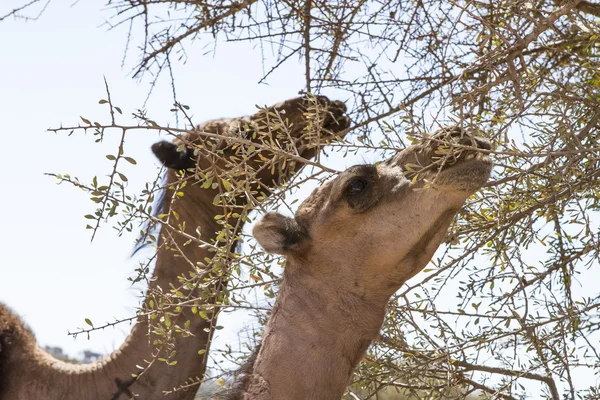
[521, 309]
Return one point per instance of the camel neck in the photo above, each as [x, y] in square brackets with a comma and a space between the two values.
[314, 339]
[111, 377]
[178, 258]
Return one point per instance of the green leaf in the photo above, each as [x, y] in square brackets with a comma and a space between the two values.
[87, 321]
[130, 160]
[226, 184]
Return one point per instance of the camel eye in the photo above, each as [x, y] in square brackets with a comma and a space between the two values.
[356, 186]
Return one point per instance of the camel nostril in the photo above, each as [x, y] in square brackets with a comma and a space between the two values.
[483, 143]
[469, 139]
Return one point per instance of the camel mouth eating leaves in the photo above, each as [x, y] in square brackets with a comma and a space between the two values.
[461, 147]
[451, 159]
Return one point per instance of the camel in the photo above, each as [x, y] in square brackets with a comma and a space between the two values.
[27, 372]
[350, 246]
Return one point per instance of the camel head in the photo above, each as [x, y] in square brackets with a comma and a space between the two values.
[297, 126]
[375, 226]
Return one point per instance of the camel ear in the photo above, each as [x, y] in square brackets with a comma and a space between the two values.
[167, 153]
[279, 234]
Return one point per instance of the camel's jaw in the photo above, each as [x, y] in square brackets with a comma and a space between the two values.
[466, 176]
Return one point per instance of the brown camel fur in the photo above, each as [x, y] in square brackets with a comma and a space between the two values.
[29, 373]
[350, 246]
